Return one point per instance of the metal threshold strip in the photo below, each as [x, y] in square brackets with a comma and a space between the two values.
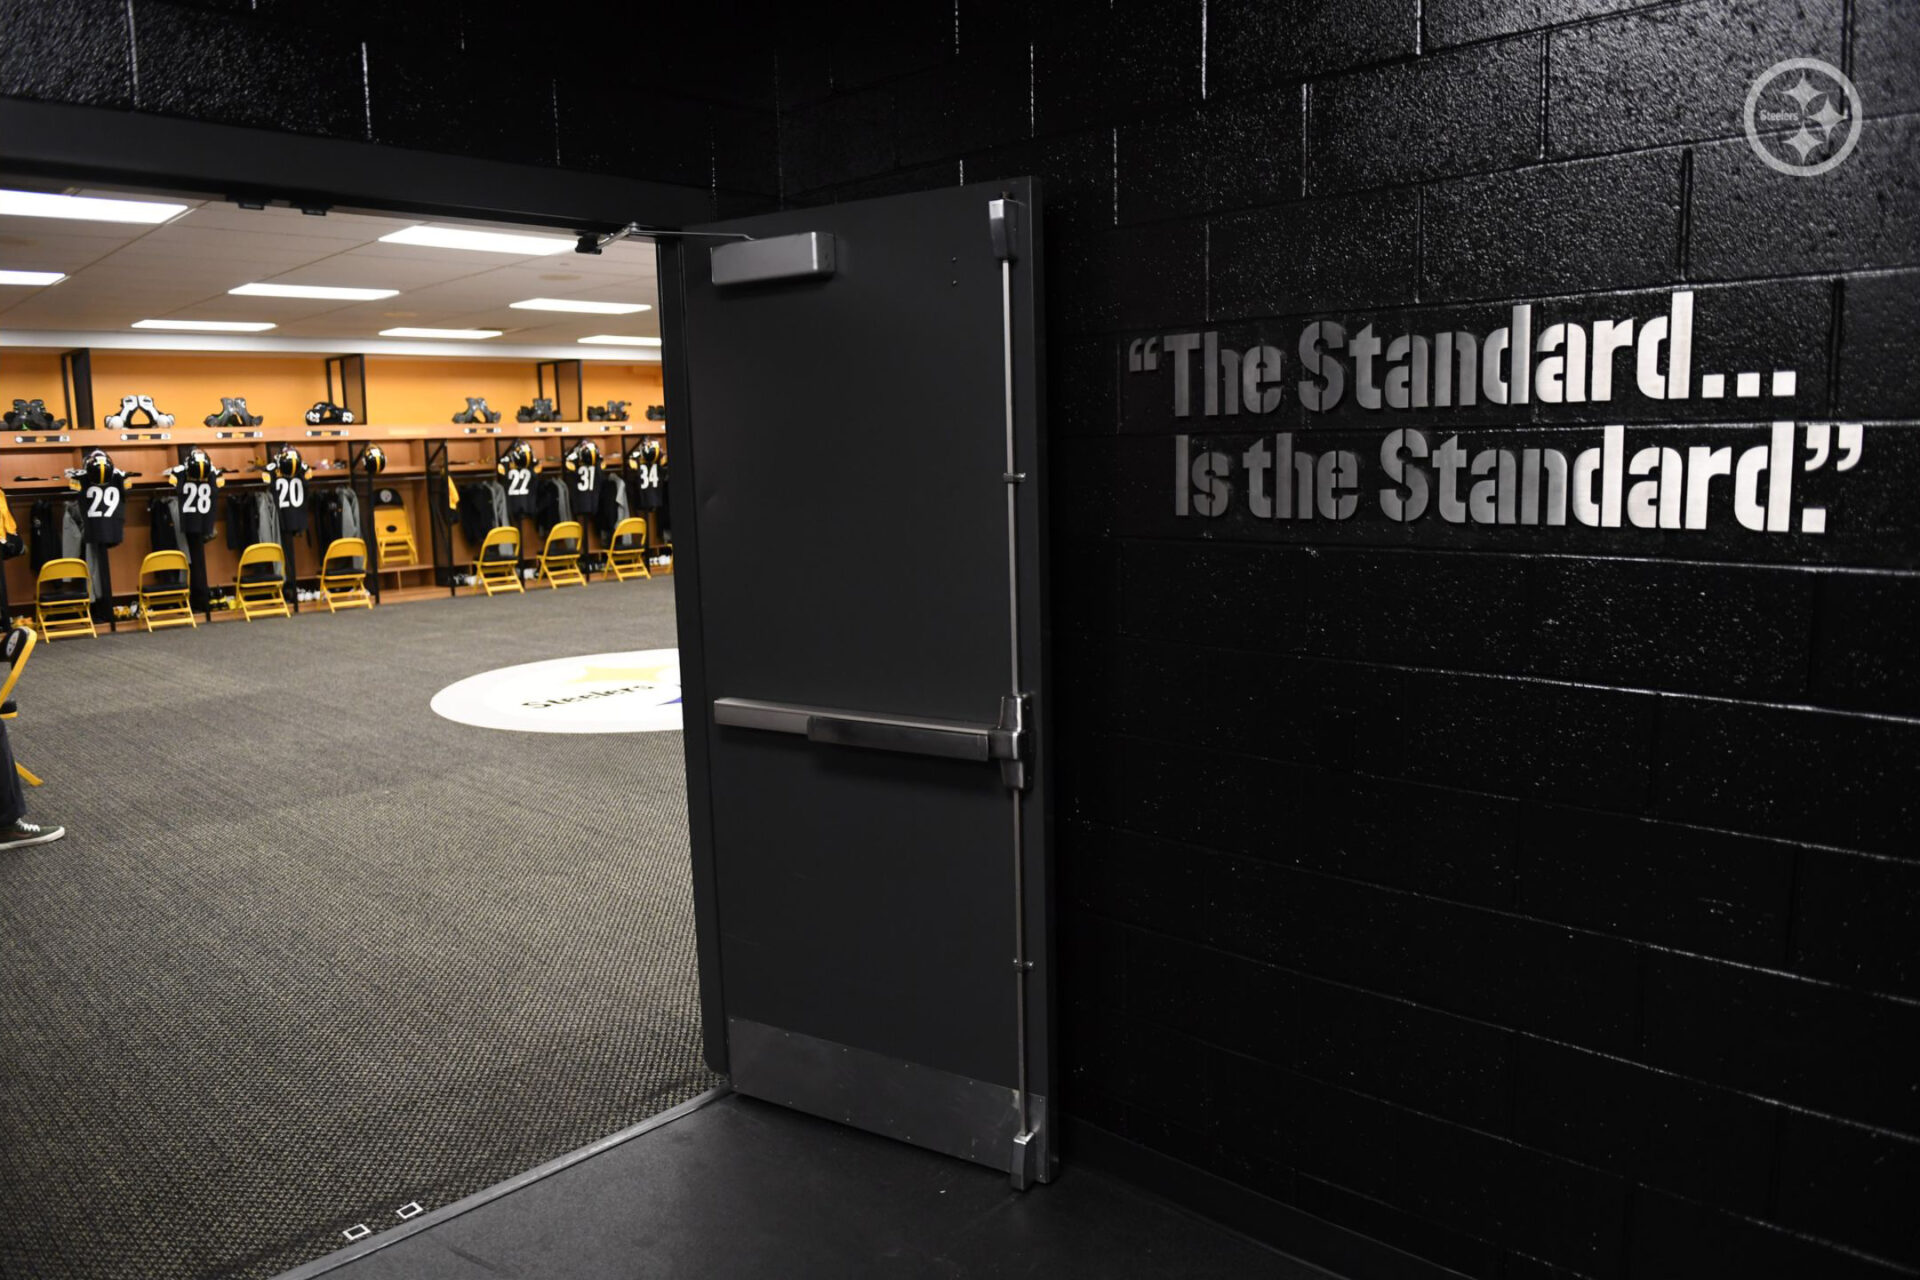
[446, 1213]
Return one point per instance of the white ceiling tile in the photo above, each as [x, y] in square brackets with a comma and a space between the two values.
[184, 269]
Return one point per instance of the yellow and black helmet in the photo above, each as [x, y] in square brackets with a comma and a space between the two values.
[198, 466]
[374, 460]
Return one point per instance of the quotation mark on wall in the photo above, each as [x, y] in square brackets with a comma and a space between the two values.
[1819, 441]
[1143, 355]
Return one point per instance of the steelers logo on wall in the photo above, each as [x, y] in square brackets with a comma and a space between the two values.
[633, 692]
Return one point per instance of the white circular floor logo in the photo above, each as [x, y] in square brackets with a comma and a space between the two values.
[1803, 117]
[633, 692]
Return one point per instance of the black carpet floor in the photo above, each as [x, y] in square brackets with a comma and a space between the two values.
[309, 952]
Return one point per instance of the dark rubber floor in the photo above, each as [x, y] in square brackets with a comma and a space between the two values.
[745, 1189]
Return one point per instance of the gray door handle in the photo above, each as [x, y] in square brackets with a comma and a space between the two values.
[915, 735]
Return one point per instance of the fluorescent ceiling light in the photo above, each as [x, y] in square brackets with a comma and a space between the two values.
[311, 291]
[593, 308]
[32, 277]
[206, 326]
[482, 241]
[620, 340]
[405, 331]
[39, 204]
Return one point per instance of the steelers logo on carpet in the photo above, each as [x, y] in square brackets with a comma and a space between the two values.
[633, 692]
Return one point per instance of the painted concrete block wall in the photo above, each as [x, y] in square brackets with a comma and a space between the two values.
[615, 89]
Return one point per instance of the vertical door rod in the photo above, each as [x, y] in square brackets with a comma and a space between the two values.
[1001, 226]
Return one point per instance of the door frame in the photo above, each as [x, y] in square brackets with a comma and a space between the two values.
[222, 161]
[695, 726]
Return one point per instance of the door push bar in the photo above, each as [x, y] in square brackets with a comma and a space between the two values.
[914, 735]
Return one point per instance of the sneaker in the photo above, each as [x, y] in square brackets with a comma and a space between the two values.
[23, 833]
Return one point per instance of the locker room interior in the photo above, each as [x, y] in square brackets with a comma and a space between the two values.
[306, 828]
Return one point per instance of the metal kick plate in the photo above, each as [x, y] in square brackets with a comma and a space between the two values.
[972, 1119]
[804, 255]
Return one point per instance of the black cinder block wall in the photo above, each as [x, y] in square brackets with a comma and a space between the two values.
[637, 90]
[1539, 905]
[1534, 902]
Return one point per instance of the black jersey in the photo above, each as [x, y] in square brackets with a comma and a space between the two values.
[287, 476]
[196, 507]
[647, 478]
[516, 469]
[584, 470]
[103, 501]
[195, 480]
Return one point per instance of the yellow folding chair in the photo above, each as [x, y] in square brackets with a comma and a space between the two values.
[393, 535]
[343, 575]
[498, 567]
[19, 647]
[627, 552]
[260, 580]
[560, 558]
[63, 599]
[163, 591]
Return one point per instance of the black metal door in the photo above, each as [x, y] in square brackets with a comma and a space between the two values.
[855, 469]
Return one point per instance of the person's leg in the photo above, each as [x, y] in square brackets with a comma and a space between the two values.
[15, 830]
[13, 797]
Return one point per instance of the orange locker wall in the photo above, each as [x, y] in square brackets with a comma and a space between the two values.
[401, 389]
[640, 383]
[405, 390]
[189, 385]
[30, 375]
